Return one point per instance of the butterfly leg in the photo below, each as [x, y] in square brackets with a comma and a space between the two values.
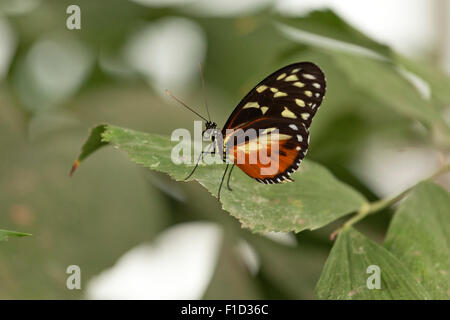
[198, 160]
[221, 182]
[207, 152]
[229, 176]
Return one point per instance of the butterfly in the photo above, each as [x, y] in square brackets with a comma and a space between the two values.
[278, 112]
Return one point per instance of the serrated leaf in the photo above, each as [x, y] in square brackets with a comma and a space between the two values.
[6, 234]
[345, 273]
[419, 235]
[315, 199]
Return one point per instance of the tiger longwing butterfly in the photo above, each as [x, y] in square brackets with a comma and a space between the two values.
[285, 102]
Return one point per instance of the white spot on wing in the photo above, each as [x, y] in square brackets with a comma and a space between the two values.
[288, 113]
[261, 88]
[300, 102]
[251, 105]
[279, 94]
[309, 76]
[281, 76]
[292, 77]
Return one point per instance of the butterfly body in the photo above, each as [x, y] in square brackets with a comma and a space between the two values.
[267, 134]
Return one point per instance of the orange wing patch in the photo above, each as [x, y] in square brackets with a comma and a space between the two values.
[269, 170]
[268, 158]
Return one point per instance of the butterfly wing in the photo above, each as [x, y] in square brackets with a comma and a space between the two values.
[299, 87]
[268, 149]
[284, 103]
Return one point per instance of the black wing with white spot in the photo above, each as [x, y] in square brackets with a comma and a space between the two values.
[287, 100]
[294, 92]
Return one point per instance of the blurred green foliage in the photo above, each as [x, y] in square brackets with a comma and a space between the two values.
[112, 205]
[411, 261]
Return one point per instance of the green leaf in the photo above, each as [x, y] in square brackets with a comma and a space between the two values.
[328, 24]
[436, 78]
[5, 234]
[314, 200]
[419, 235]
[93, 143]
[345, 273]
[383, 81]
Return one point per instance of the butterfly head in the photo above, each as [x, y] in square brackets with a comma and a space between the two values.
[210, 131]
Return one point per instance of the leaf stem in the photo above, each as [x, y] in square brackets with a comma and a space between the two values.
[368, 208]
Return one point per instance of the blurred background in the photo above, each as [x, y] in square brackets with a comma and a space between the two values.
[137, 234]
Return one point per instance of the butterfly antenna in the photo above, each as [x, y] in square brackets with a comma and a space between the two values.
[184, 104]
[204, 91]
